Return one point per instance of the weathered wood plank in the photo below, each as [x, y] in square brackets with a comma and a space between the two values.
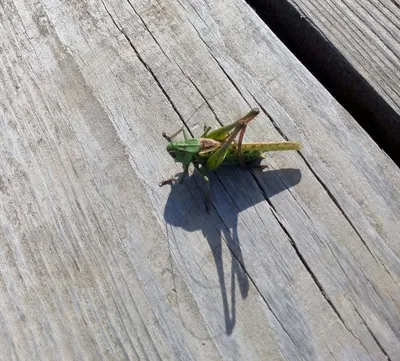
[353, 48]
[297, 263]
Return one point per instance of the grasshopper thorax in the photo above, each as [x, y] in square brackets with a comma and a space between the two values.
[183, 151]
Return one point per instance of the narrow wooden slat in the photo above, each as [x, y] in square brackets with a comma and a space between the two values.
[353, 48]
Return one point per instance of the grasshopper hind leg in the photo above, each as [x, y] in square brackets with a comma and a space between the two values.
[244, 121]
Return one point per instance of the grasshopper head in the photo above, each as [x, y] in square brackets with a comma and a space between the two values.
[183, 151]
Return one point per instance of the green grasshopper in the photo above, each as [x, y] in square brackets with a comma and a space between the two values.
[219, 147]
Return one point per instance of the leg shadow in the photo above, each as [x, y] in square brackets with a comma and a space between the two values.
[232, 191]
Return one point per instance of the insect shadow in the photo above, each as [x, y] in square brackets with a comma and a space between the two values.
[233, 190]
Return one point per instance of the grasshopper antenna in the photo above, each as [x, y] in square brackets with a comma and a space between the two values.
[206, 102]
[170, 137]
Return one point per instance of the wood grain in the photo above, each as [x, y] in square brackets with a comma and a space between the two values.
[353, 48]
[299, 262]
[367, 34]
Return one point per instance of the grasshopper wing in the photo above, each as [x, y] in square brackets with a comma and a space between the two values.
[217, 158]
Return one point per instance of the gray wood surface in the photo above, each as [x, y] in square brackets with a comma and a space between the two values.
[353, 47]
[297, 262]
[367, 33]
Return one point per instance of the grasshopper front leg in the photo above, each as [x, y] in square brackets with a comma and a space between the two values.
[180, 179]
[206, 131]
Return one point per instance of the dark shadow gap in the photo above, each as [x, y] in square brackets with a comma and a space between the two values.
[334, 72]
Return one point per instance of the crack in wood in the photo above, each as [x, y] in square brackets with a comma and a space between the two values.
[148, 68]
[371, 333]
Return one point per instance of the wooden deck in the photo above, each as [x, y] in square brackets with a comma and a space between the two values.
[353, 48]
[297, 262]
